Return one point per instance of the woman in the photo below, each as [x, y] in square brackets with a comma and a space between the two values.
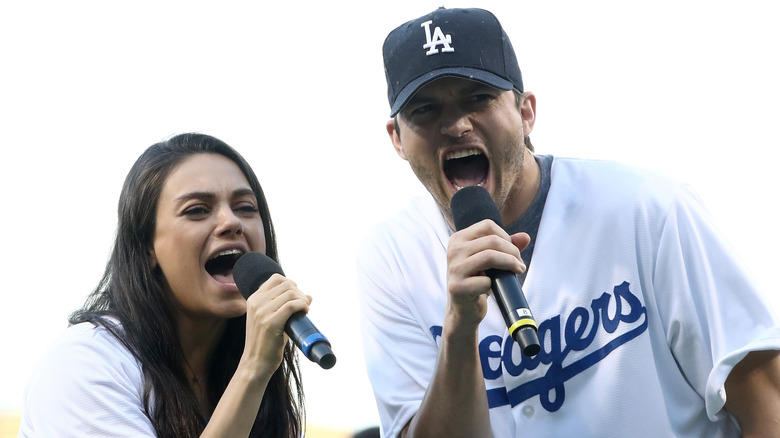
[166, 345]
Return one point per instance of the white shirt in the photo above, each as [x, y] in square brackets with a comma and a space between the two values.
[643, 310]
[87, 384]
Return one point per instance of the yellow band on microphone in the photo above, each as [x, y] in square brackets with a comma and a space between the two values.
[522, 322]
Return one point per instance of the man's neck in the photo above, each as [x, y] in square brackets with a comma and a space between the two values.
[525, 190]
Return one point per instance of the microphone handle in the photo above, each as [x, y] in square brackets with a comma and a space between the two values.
[313, 344]
[517, 316]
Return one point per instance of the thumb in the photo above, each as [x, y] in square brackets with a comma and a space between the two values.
[520, 240]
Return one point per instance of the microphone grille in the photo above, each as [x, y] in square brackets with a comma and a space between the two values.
[253, 269]
[472, 204]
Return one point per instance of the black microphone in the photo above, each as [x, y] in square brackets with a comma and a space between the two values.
[473, 204]
[255, 268]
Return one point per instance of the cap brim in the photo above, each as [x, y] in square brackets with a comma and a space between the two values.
[461, 72]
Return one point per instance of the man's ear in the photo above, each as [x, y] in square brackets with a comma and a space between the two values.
[395, 138]
[528, 112]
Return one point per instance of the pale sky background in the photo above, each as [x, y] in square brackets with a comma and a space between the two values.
[685, 87]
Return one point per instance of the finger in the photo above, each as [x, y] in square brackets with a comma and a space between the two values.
[468, 287]
[277, 281]
[482, 228]
[281, 298]
[277, 285]
[485, 234]
[272, 282]
[489, 252]
[290, 302]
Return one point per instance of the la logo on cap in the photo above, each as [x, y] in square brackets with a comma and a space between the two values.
[439, 38]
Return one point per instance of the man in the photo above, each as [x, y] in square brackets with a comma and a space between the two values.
[648, 326]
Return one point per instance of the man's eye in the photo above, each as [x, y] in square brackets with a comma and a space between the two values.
[481, 97]
[421, 110]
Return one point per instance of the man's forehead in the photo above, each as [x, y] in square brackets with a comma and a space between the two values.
[450, 85]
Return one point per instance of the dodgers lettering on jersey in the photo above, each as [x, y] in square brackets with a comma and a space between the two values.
[560, 336]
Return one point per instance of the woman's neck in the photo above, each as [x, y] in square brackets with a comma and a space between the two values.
[199, 340]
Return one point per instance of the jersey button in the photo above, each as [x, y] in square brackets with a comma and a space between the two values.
[528, 411]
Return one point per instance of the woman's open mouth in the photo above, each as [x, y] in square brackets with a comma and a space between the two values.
[220, 265]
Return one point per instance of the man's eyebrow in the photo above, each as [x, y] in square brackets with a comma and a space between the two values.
[417, 98]
[477, 86]
[465, 91]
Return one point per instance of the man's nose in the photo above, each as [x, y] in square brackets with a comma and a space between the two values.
[455, 122]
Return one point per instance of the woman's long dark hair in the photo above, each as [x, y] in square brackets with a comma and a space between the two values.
[131, 292]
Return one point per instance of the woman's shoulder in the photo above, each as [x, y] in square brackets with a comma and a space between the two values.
[85, 373]
[86, 340]
[87, 351]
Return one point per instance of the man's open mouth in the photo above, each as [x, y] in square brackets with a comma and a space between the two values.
[468, 167]
[220, 266]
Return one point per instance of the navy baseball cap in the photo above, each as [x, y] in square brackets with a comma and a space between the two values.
[466, 43]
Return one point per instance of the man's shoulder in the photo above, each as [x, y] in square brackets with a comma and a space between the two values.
[421, 215]
[420, 222]
[606, 168]
[598, 177]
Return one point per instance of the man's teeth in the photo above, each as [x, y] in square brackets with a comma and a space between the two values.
[462, 153]
[227, 252]
[481, 184]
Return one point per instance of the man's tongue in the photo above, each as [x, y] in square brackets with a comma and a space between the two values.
[465, 172]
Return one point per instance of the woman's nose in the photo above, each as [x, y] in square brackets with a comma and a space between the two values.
[229, 223]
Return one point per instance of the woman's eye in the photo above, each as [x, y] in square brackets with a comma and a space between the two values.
[195, 211]
[247, 209]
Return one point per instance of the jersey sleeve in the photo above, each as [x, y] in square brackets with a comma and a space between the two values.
[399, 350]
[86, 385]
[714, 313]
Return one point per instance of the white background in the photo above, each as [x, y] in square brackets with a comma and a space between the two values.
[685, 87]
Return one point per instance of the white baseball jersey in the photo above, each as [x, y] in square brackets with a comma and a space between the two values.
[87, 384]
[643, 311]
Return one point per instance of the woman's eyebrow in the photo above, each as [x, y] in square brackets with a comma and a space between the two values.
[207, 196]
[195, 195]
[243, 192]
